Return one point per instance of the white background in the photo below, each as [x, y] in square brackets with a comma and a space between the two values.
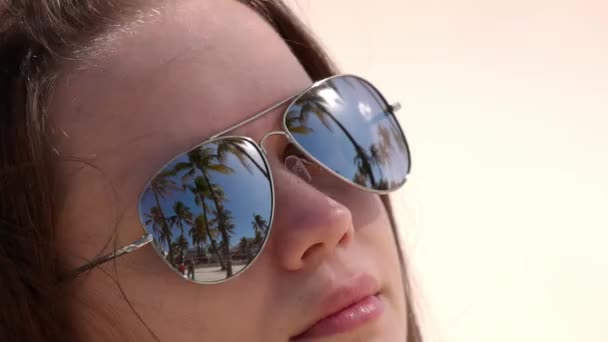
[505, 215]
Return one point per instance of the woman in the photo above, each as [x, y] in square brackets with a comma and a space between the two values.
[283, 211]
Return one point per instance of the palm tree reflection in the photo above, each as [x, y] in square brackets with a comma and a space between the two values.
[193, 223]
[198, 234]
[374, 139]
[202, 191]
[204, 160]
[226, 147]
[259, 224]
[318, 105]
[181, 217]
[160, 187]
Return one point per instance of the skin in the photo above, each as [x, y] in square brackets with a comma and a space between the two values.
[154, 88]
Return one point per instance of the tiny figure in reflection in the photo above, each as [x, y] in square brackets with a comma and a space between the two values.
[190, 264]
[181, 267]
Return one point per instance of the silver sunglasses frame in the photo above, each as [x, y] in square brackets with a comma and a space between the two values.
[148, 237]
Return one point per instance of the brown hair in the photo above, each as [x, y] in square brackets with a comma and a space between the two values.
[35, 37]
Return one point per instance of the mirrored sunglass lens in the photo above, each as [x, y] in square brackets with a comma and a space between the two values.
[210, 209]
[346, 125]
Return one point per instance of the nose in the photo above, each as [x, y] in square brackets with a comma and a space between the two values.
[308, 225]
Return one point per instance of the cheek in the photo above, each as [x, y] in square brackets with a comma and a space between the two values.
[173, 308]
[366, 207]
[374, 235]
[373, 230]
[367, 210]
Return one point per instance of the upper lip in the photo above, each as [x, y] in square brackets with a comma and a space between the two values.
[340, 297]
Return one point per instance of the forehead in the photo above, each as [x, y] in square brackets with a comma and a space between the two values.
[159, 85]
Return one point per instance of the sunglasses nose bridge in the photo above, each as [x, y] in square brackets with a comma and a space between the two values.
[269, 134]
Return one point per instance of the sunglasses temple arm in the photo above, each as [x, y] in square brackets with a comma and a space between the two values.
[144, 240]
[395, 106]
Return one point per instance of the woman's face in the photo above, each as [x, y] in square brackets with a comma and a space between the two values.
[151, 89]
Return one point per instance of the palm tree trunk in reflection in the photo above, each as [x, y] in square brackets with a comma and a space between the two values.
[213, 243]
[222, 226]
[360, 152]
[165, 228]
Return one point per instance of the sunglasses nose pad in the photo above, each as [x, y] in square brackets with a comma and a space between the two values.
[298, 166]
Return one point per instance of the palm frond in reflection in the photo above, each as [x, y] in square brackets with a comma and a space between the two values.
[259, 224]
[227, 147]
[181, 216]
[224, 220]
[158, 222]
[298, 117]
[244, 249]
[204, 159]
[161, 186]
[198, 233]
[384, 146]
[202, 192]
[201, 158]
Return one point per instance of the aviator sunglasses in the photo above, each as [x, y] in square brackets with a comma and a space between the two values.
[208, 212]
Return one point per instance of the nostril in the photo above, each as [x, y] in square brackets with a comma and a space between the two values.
[312, 250]
[345, 238]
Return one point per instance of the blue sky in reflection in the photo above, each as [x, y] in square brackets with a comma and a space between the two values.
[362, 113]
[247, 193]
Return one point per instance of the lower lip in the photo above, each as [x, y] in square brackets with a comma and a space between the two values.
[348, 319]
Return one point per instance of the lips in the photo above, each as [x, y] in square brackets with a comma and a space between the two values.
[345, 308]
